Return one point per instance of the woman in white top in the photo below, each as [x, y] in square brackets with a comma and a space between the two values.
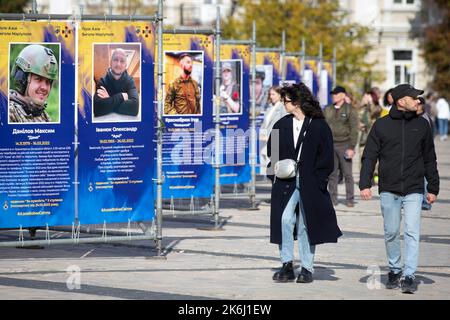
[443, 115]
[274, 112]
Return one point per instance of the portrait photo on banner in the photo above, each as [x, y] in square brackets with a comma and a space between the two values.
[34, 83]
[264, 81]
[116, 83]
[230, 87]
[183, 80]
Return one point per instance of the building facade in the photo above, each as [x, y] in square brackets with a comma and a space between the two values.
[396, 53]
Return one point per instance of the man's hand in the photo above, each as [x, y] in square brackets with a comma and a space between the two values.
[125, 96]
[350, 153]
[366, 194]
[102, 93]
[431, 198]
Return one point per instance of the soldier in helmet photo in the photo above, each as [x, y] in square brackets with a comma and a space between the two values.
[33, 74]
[183, 94]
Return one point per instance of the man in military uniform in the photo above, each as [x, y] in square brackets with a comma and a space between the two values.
[229, 91]
[183, 94]
[261, 93]
[343, 121]
[33, 73]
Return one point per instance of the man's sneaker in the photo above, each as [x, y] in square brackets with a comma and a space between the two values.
[350, 204]
[393, 280]
[285, 274]
[407, 284]
[305, 276]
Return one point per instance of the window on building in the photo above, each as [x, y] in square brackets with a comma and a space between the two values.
[403, 66]
[404, 1]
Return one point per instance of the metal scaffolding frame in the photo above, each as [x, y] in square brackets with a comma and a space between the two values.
[149, 233]
[251, 194]
[215, 199]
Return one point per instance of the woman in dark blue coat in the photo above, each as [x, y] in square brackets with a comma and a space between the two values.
[316, 222]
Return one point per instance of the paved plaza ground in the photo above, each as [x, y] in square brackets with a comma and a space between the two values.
[236, 262]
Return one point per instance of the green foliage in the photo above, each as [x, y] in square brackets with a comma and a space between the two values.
[13, 6]
[435, 43]
[318, 23]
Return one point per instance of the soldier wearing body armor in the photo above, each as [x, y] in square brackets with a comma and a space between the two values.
[229, 91]
[33, 73]
[183, 94]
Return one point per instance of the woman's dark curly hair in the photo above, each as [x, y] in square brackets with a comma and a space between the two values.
[385, 98]
[302, 97]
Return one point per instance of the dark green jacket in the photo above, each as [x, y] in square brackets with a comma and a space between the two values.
[343, 123]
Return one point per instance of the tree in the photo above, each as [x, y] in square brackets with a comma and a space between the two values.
[435, 43]
[16, 6]
[318, 21]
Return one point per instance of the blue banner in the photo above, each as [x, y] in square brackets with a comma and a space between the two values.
[311, 76]
[37, 73]
[292, 69]
[115, 122]
[188, 141]
[234, 111]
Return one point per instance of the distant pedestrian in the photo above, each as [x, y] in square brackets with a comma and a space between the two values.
[443, 116]
[403, 144]
[274, 112]
[421, 106]
[343, 121]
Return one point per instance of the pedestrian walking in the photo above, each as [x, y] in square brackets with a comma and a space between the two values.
[443, 115]
[301, 205]
[343, 121]
[403, 144]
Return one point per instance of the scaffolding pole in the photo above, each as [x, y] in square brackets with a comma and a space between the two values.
[218, 153]
[334, 67]
[283, 58]
[253, 124]
[160, 128]
[302, 60]
[36, 16]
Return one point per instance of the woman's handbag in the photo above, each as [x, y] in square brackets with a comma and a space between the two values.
[287, 168]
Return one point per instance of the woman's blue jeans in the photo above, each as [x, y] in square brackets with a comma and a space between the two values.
[288, 220]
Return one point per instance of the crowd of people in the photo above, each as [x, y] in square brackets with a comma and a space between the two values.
[394, 135]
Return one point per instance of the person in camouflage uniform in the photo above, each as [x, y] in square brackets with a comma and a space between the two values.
[343, 121]
[183, 94]
[33, 73]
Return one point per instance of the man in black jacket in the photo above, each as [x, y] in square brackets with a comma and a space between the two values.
[116, 91]
[403, 144]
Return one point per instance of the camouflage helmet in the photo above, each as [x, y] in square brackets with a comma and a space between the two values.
[39, 60]
[35, 59]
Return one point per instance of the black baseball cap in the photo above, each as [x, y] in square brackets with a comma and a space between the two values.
[405, 90]
[338, 89]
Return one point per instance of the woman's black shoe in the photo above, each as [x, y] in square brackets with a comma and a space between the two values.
[305, 276]
[285, 274]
